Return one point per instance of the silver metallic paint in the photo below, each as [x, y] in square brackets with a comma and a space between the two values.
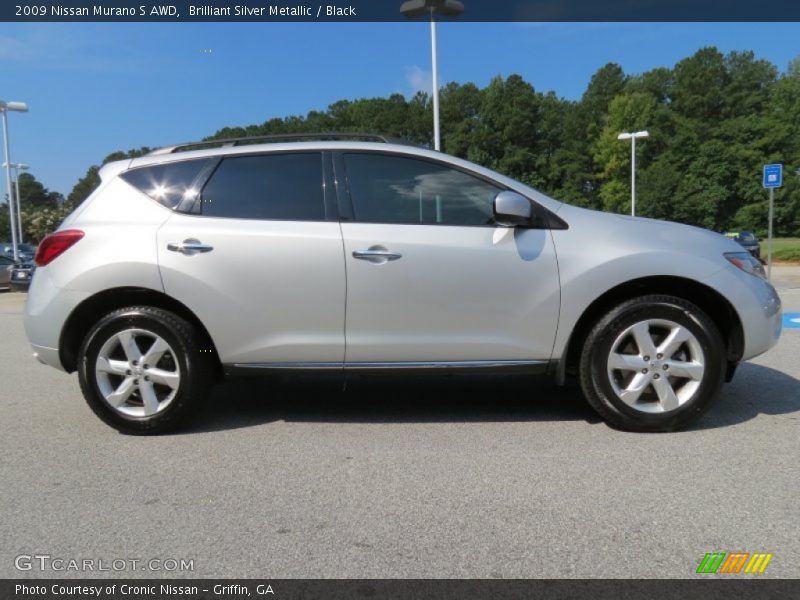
[292, 291]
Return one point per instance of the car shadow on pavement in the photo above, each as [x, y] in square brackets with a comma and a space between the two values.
[249, 402]
[755, 390]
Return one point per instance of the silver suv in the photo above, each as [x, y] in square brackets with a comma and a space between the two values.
[342, 255]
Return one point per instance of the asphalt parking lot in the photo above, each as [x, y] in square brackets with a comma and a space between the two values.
[457, 478]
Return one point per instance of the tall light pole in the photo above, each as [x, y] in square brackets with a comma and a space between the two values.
[633, 137]
[17, 168]
[5, 107]
[445, 8]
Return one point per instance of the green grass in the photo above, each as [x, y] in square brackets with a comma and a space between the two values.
[782, 249]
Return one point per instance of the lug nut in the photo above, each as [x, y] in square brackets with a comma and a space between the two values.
[644, 371]
[656, 376]
[666, 367]
[659, 356]
[135, 363]
[135, 382]
[647, 358]
[146, 366]
[128, 372]
[146, 378]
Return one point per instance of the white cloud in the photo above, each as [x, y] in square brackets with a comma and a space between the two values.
[26, 45]
[419, 80]
[60, 46]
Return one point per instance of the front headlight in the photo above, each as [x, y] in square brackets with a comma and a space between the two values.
[747, 263]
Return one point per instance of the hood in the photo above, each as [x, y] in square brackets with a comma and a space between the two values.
[653, 233]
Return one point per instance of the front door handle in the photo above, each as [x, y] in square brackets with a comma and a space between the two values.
[189, 247]
[377, 255]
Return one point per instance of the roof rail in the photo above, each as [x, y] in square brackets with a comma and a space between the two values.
[284, 137]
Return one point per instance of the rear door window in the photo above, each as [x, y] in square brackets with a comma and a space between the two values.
[284, 187]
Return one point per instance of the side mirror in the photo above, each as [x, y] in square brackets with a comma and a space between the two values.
[512, 209]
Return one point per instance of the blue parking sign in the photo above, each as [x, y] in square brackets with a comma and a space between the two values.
[773, 176]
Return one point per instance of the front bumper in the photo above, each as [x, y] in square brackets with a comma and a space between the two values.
[758, 305]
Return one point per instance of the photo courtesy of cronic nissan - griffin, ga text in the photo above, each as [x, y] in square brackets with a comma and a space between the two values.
[356, 253]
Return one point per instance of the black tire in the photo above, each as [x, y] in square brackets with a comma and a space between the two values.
[191, 354]
[596, 381]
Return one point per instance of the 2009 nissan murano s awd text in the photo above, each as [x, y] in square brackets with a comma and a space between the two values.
[274, 255]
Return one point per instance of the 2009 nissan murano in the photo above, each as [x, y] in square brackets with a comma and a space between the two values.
[273, 255]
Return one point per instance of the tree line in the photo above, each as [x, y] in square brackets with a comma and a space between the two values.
[714, 120]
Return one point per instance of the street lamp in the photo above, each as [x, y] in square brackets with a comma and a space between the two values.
[633, 137]
[445, 8]
[17, 168]
[5, 107]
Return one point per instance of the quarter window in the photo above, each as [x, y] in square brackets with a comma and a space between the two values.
[395, 189]
[285, 187]
[171, 184]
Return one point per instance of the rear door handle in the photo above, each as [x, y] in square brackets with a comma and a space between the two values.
[377, 255]
[189, 247]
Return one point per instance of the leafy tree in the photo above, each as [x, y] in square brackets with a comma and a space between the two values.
[38, 223]
[34, 195]
[604, 86]
[714, 120]
[749, 83]
[506, 137]
[698, 91]
[627, 112]
[35, 199]
[5, 231]
[657, 190]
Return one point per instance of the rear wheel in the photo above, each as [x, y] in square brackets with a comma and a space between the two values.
[653, 363]
[143, 370]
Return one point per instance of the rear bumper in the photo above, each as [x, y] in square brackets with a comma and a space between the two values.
[47, 356]
[47, 309]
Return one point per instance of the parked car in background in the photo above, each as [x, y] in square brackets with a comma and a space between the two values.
[25, 252]
[21, 275]
[6, 266]
[747, 240]
[273, 256]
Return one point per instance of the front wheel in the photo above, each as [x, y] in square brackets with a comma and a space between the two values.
[653, 363]
[144, 370]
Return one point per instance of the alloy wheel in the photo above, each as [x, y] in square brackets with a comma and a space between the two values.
[137, 373]
[656, 366]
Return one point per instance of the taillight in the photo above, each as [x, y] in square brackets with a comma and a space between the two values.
[55, 244]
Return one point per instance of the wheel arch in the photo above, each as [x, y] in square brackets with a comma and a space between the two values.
[86, 314]
[714, 304]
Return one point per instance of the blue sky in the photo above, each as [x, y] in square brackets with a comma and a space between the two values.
[96, 88]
